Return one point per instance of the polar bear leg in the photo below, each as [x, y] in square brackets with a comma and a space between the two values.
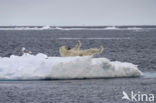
[77, 47]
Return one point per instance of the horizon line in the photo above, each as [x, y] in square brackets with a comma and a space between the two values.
[78, 25]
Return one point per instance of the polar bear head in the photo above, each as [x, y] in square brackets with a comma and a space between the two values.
[64, 50]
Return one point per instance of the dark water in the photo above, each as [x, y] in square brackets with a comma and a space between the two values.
[74, 91]
[135, 46]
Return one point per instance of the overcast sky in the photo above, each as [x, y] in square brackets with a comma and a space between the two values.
[77, 12]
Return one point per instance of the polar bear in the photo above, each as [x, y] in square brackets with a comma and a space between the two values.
[66, 51]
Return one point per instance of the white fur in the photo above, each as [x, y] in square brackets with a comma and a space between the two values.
[64, 51]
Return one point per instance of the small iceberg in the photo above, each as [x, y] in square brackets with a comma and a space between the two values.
[40, 66]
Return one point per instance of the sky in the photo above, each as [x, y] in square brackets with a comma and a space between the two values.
[77, 12]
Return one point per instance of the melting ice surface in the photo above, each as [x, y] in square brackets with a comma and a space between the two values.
[40, 66]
